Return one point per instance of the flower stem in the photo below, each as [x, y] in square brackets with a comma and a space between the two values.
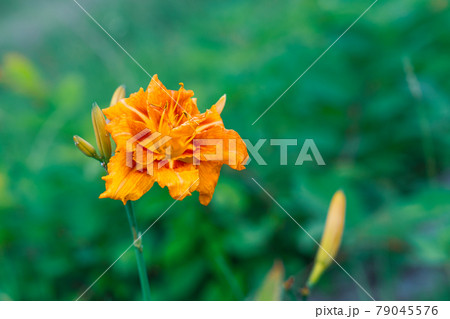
[139, 251]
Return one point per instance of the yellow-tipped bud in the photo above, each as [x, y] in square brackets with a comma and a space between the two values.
[331, 238]
[272, 287]
[101, 134]
[85, 147]
[119, 94]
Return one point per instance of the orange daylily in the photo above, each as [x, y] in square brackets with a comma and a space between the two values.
[172, 158]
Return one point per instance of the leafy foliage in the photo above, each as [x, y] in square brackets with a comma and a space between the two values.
[388, 150]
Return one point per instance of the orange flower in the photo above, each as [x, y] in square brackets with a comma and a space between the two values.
[162, 137]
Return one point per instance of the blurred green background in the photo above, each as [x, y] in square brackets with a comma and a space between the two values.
[376, 105]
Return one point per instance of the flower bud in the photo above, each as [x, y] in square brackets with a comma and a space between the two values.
[85, 147]
[101, 134]
[272, 287]
[119, 94]
[331, 238]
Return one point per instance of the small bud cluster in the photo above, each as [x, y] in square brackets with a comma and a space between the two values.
[102, 136]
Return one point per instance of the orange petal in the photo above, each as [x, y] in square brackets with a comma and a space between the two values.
[220, 104]
[135, 106]
[185, 102]
[125, 183]
[209, 173]
[157, 93]
[181, 181]
[234, 149]
[158, 96]
[124, 128]
[207, 120]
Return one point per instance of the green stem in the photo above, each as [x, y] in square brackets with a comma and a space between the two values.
[138, 249]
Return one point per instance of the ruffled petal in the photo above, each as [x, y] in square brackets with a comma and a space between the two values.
[207, 120]
[209, 173]
[234, 152]
[181, 181]
[135, 106]
[186, 104]
[125, 183]
[159, 97]
[122, 129]
[157, 94]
